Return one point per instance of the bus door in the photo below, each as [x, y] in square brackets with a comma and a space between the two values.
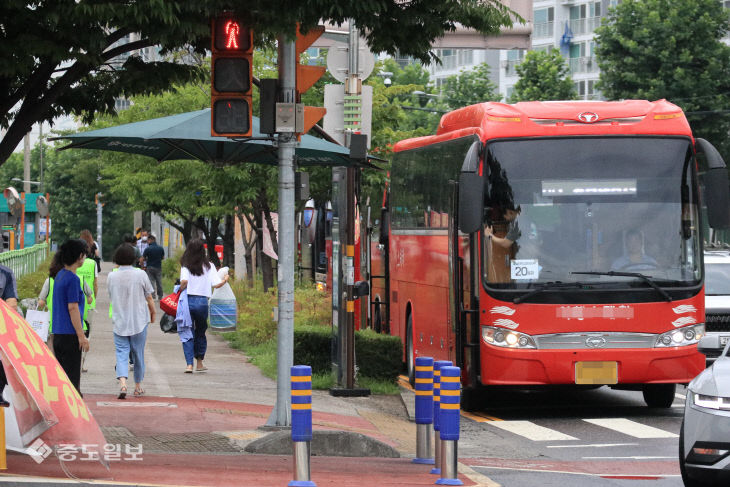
[463, 288]
[378, 265]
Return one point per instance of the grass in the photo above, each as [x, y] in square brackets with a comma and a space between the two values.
[256, 329]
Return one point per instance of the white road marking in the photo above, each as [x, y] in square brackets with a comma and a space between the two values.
[596, 445]
[681, 396]
[589, 474]
[631, 428]
[628, 458]
[531, 431]
[120, 404]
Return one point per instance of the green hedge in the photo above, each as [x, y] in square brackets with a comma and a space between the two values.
[376, 356]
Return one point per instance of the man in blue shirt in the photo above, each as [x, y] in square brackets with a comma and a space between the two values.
[68, 308]
[154, 254]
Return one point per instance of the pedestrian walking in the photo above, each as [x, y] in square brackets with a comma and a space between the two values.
[153, 256]
[88, 273]
[45, 298]
[198, 276]
[68, 305]
[130, 295]
[9, 294]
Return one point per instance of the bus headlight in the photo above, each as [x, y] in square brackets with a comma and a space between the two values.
[502, 337]
[687, 335]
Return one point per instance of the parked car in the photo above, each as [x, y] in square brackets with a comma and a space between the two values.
[704, 437]
[717, 302]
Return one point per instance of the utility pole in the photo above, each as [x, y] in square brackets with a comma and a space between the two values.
[287, 143]
[26, 163]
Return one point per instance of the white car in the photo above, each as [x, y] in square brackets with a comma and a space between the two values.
[704, 438]
[717, 302]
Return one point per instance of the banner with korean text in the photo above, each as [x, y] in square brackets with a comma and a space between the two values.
[46, 404]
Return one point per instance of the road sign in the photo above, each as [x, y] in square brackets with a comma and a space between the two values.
[338, 61]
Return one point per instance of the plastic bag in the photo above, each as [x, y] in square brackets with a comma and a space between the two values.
[223, 308]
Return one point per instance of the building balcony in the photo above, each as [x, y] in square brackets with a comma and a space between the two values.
[584, 26]
[586, 64]
[510, 67]
[542, 30]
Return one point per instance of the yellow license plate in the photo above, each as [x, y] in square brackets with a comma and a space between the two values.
[596, 372]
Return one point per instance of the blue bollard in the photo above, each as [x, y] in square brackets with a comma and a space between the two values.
[424, 409]
[301, 424]
[449, 417]
[436, 470]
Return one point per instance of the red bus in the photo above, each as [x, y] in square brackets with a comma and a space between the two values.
[553, 243]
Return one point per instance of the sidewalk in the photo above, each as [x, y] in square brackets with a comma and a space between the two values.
[194, 428]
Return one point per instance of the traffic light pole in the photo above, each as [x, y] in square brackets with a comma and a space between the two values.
[287, 143]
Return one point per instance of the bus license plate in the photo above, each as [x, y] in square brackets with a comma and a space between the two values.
[724, 340]
[596, 372]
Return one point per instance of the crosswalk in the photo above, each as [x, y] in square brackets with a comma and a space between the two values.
[535, 432]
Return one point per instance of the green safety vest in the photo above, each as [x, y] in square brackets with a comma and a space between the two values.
[49, 305]
[87, 273]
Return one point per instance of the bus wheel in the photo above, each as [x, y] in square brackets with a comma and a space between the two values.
[410, 359]
[659, 395]
[471, 398]
[377, 318]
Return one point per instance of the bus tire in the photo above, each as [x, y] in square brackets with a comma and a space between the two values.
[410, 357]
[471, 399]
[659, 395]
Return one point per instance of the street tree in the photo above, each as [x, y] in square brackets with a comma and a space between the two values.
[544, 75]
[673, 49]
[469, 87]
[75, 57]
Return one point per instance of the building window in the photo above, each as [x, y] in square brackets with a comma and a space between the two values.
[544, 21]
[514, 57]
[581, 58]
[585, 18]
[587, 89]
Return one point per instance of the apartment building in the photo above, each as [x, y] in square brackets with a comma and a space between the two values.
[568, 25]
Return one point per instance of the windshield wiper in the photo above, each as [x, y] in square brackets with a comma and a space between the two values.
[646, 279]
[548, 286]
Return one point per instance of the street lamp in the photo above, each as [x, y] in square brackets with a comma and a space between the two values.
[386, 75]
[18, 180]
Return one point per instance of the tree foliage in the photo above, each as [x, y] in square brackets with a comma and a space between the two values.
[653, 49]
[65, 56]
[544, 75]
[470, 87]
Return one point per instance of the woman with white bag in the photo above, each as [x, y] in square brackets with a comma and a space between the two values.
[198, 276]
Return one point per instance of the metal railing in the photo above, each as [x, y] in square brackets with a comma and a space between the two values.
[585, 25]
[542, 29]
[586, 64]
[25, 261]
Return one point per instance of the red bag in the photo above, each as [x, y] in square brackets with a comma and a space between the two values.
[168, 304]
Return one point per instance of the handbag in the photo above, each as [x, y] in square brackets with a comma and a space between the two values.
[168, 324]
[168, 304]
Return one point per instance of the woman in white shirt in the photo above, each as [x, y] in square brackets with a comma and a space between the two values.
[199, 277]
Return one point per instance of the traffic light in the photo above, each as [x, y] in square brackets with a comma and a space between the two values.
[308, 75]
[231, 74]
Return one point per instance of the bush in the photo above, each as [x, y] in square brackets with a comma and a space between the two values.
[378, 356]
[29, 285]
[171, 266]
[312, 346]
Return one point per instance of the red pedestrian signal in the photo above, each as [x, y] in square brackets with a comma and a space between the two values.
[231, 74]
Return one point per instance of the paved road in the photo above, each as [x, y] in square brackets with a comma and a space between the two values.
[567, 437]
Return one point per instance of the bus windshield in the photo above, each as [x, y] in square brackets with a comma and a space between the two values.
[559, 206]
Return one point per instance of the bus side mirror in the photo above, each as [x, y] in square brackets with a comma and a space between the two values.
[717, 190]
[471, 191]
[384, 225]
